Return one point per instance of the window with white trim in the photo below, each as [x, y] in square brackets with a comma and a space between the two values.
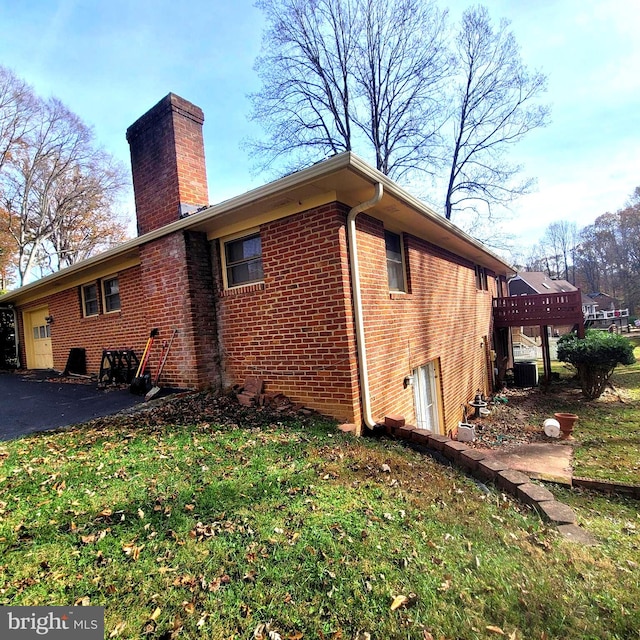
[111, 294]
[395, 262]
[243, 260]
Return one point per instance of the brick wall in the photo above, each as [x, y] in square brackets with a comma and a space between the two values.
[172, 288]
[296, 330]
[167, 162]
[202, 310]
[442, 318]
[121, 329]
[177, 289]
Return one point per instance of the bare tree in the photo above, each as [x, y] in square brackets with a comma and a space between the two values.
[51, 149]
[344, 74]
[80, 214]
[305, 100]
[559, 243]
[6, 257]
[17, 108]
[628, 254]
[608, 257]
[402, 64]
[536, 260]
[45, 179]
[589, 265]
[495, 107]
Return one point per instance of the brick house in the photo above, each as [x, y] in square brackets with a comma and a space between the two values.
[526, 283]
[333, 284]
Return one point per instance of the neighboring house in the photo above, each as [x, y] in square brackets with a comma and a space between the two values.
[536, 282]
[526, 283]
[604, 301]
[332, 284]
[607, 312]
[599, 309]
[589, 305]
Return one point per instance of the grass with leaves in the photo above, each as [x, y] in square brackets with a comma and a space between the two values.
[190, 524]
[607, 434]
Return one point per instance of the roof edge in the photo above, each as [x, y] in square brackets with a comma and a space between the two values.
[345, 160]
[399, 192]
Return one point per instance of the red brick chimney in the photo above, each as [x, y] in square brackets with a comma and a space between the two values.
[167, 162]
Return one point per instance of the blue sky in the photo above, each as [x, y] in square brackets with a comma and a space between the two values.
[110, 61]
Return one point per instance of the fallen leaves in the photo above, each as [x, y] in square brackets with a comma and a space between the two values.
[310, 546]
[193, 583]
[189, 607]
[203, 531]
[202, 620]
[445, 585]
[398, 601]
[59, 487]
[403, 601]
[498, 631]
[265, 632]
[216, 583]
[92, 538]
[132, 550]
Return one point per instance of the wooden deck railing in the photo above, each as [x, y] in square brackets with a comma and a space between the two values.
[543, 309]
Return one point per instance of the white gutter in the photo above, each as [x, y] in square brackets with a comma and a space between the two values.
[357, 303]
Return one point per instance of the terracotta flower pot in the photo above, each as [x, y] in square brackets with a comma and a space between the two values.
[567, 421]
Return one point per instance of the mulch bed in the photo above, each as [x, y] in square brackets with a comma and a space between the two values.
[517, 415]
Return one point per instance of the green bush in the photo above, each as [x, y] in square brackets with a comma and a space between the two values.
[595, 357]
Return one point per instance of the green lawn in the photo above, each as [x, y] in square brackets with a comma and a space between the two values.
[608, 431]
[205, 521]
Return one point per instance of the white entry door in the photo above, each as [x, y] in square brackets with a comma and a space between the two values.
[425, 393]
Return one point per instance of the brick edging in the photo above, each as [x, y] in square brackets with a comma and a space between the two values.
[486, 468]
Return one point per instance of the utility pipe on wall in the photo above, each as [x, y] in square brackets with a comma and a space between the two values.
[357, 303]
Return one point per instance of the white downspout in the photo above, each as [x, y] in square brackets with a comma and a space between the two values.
[357, 303]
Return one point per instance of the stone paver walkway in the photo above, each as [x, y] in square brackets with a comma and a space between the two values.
[544, 461]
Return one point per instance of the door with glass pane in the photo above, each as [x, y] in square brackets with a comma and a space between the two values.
[425, 393]
[38, 339]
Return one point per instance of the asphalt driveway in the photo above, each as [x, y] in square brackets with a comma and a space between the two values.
[29, 402]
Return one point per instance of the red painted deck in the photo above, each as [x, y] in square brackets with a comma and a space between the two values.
[543, 309]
